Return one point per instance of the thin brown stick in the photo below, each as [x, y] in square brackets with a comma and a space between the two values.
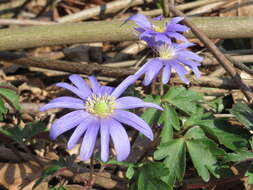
[24, 22]
[11, 5]
[48, 4]
[182, 7]
[67, 66]
[239, 64]
[206, 81]
[88, 186]
[210, 60]
[8, 9]
[218, 72]
[239, 52]
[111, 7]
[165, 8]
[217, 53]
[129, 51]
[21, 8]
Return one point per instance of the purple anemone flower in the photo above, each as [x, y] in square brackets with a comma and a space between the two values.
[98, 109]
[153, 33]
[171, 56]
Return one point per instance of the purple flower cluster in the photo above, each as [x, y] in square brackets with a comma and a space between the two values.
[153, 33]
[171, 55]
[100, 109]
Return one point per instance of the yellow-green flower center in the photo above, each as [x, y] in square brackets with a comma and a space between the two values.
[166, 52]
[158, 28]
[100, 106]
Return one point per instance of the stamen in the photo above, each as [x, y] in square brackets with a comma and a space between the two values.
[166, 52]
[100, 106]
[158, 28]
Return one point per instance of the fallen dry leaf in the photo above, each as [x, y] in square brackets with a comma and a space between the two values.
[20, 176]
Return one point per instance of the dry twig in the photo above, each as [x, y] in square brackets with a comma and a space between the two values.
[12, 39]
[217, 53]
[102, 9]
[68, 66]
[24, 22]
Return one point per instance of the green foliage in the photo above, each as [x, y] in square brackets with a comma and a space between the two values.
[57, 166]
[148, 176]
[204, 153]
[170, 114]
[173, 153]
[47, 173]
[130, 172]
[151, 116]
[249, 174]
[240, 156]
[183, 99]
[188, 130]
[23, 134]
[58, 188]
[64, 162]
[9, 95]
[216, 105]
[244, 114]
[232, 137]
[167, 128]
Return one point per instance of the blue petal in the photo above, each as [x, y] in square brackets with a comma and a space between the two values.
[183, 45]
[140, 20]
[146, 34]
[144, 68]
[181, 71]
[73, 89]
[67, 122]
[140, 30]
[166, 74]
[105, 138]
[176, 28]
[70, 105]
[161, 17]
[80, 84]
[64, 102]
[163, 38]
[181, 28]
[120, 139]
[67, 99]
[129, 102]
[188, 62]
[94, 84]
[79, 131]
[189, 55]
[149, 39]
[175, 20]
[152, 71]
[134, 121]
[124, 85]
[106, 90]
[89, 140]
[192, 64]
[177, 36]
[196, 72]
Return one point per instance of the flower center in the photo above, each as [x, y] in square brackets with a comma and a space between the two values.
[100, 106]
[158, 28]
[166, 52]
